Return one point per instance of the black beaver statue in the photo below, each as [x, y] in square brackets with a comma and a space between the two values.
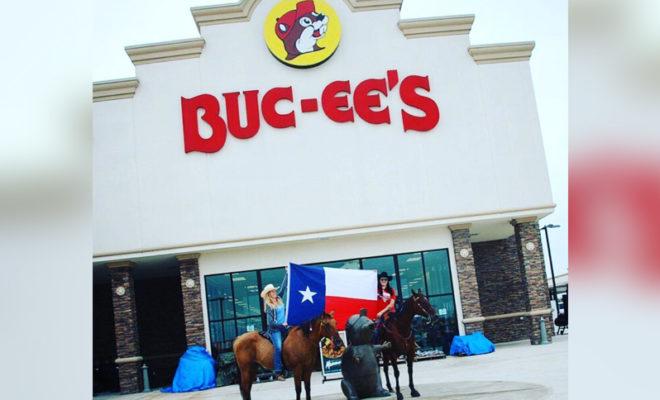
[359, 365]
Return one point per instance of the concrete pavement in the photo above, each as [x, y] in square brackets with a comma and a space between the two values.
[513, 371]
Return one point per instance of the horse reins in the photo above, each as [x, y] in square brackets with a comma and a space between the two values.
[409, 337]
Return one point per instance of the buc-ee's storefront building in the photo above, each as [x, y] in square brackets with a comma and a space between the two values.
[400, 147]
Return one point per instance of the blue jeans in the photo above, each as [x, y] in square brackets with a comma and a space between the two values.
[276, 337]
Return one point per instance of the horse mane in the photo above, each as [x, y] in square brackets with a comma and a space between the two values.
[396, 319]
[308, 326]
[404, 308]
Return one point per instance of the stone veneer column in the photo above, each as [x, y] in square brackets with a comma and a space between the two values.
[192, 299]
[467, 278]
[126, 328]
[535, 284]
[501, 290]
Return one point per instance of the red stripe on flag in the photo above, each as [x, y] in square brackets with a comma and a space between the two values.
[344, 307]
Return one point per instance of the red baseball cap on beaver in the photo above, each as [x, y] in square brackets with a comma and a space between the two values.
[286, 21]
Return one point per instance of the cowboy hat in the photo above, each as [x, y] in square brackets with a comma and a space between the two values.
[384, 275]
[267, 289]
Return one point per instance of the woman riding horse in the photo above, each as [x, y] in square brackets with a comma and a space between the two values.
[275, 314]
[398, 331]
[384, 303]
[300, 353]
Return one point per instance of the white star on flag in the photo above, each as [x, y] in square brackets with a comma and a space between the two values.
[307, 295]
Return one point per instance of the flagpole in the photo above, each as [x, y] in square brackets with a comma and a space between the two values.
[288, 293]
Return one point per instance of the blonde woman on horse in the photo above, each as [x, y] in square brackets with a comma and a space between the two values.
[275, 314]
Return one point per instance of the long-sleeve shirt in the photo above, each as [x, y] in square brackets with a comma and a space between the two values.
[385, 300]
[275, 316]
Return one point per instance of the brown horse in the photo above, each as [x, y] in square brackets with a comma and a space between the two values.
[300, 353]
[398, 331]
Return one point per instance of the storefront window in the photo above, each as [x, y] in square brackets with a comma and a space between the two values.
[445, 327]
[411, 273]
[381, 264]
[219, 296]
[274, 276]
[216, 332]
[249, 324]
[230, 332]
[246, 293]
[438, 277]
[349, 264]
[444, 306]
[234, 305]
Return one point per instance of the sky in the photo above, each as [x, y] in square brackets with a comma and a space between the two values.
[120, 23]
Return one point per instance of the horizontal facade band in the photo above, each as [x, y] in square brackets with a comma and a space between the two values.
[541, 211]
[186, 257]
[241, 11]
[436, 26]
[533, 313]
[165, 51]
[473, 320]
[544, 311]
[370, 5]
[501, 52]
[524, 220]
[127, 360]
[459, 227]
[114, 89]
[121, 264]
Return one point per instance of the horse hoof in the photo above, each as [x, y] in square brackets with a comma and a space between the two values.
[414, 393]
[399, 396]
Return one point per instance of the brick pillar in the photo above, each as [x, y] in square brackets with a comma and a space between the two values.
[535, 284]
[126, 328]
[467, 278]
[192, 299]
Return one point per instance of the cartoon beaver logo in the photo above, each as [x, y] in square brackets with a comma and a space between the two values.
[302, 33]
[301, 28]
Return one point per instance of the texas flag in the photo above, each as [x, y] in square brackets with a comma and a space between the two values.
[313, 290]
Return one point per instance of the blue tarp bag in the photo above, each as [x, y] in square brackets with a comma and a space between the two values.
[471, 345]
[196, 371]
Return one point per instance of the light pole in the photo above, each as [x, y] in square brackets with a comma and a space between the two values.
[552, 269]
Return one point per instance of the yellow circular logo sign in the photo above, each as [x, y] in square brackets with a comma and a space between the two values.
[302, 33]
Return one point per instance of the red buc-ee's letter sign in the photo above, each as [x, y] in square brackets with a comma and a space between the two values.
[335, 102]
[191, 137]
[423, 103]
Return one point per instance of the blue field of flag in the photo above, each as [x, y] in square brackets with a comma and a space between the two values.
[306, 294]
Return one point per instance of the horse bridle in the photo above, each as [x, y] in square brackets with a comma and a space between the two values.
[416, 300]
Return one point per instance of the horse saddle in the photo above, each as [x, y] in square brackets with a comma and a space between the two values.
[265, 335]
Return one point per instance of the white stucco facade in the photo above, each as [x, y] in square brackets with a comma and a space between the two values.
[320, 191]
[484, 157]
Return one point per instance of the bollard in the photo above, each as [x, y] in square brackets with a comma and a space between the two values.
[544, 333]
[145, 378]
